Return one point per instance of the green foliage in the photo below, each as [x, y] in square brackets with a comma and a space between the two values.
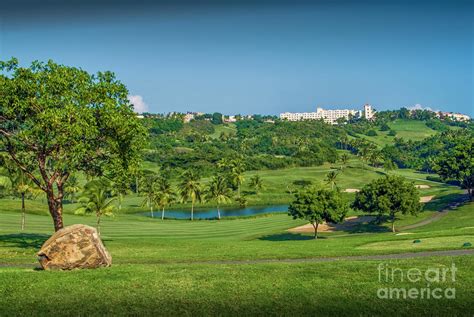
[56, 120]
[218, 191]
[331, 178]
[389, 195]
[371, 133]
[256, 183]
[191, 189]
[457, 162]
[97, 198]
[148, 183]
[318, 205]
[165, 195]
[216, 118]
[384, 127]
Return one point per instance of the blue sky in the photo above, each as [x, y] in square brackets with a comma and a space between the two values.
[261, 58]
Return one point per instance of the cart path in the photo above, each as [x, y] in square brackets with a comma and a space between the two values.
[435, 217]
[394, 256]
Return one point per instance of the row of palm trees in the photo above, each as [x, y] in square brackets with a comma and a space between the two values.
[158, 191]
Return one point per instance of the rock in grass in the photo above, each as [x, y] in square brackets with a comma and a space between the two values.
[74, 247]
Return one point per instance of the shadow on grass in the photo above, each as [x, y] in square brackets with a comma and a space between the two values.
[446, 201]
[288, 237]
[370, 227]
[23, 240]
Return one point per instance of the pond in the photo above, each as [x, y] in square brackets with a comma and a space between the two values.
[211, 213]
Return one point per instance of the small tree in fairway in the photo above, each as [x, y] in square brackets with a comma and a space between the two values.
[56, 120]
[318, 205]
[388, 196]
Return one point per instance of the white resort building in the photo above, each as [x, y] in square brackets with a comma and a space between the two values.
[329, 116]
[453, 116]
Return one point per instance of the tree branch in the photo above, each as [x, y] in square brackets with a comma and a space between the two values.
[12, 154]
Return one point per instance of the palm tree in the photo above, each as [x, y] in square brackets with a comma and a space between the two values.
[256, 183]
[21, 186]
[344, 160]
[238, 178]
[97, 198]
[165, 196]
[218, 191]
[190, 188]
[389, 165]
[148, 188]
[331, 178]
[374, 157]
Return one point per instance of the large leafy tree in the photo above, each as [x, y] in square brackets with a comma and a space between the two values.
[56, 120]
[458, 163]
[318, 205]
[390, 195]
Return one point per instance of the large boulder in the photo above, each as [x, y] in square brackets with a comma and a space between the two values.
[76, 246]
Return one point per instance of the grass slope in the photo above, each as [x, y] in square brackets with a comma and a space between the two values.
[408, 129]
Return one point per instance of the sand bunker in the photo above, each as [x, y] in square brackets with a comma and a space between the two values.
[426, 199]
[351, 190]
[349, 223]
[422, 186]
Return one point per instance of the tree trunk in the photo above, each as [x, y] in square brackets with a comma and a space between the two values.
[393, 224]
[98, 224]
[163, 213]
[218, 213]
[22, 211]
[55, 206]
[192, 210]
[151, 210]
[315, 226]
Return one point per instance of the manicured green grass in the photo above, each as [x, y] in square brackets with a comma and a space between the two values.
[408, 129]
[172, 267]
[298, 289]
[454, 242]
[226, 128]
[155, 270]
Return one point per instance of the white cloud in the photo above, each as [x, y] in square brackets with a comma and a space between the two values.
[138, 104]
[420, 107]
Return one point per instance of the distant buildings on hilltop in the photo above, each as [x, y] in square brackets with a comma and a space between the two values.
[191, 115]
[330, 116]
[453, 116]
